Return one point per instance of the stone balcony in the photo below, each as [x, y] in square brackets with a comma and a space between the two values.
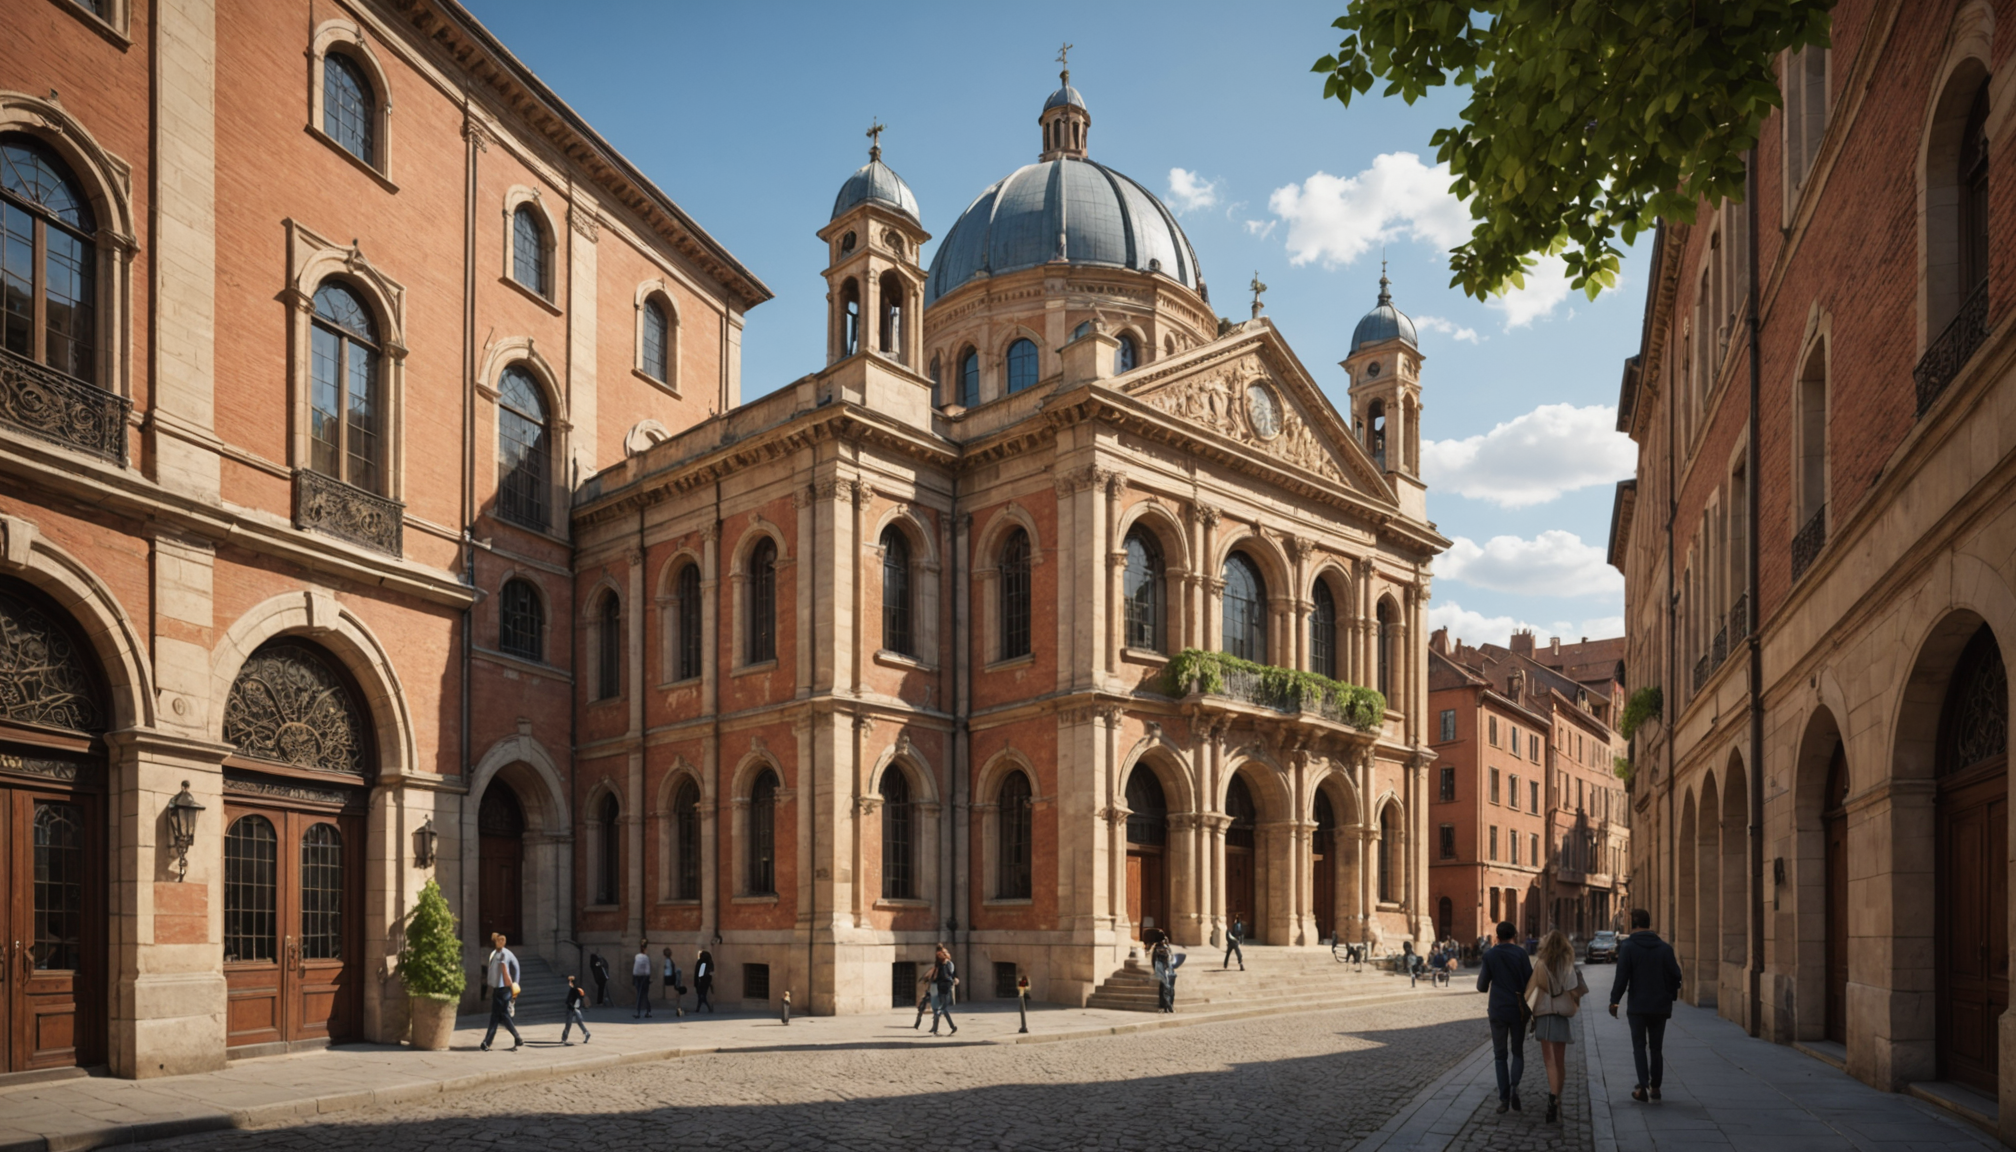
[1322, 708]
[44, 403]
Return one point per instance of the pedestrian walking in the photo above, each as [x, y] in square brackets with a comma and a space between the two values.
[1411, 961]
[1233, 936]
[1555, 993]
[500, 974]
[1165, 976]
[924, 987]
[1505, 975]
[640, 979]
[599, 969]
[703, 982]
[944, 982]
[576, 1000]
[1647, 982]
[675, 987]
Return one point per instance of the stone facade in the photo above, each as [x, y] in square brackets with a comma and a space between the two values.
[1821, 593]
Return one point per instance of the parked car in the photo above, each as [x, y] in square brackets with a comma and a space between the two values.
[1602, 949]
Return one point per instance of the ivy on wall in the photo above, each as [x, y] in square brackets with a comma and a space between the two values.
[1360, 707]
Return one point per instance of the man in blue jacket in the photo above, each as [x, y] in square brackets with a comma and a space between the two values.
[1505, 974]
[1649, 973]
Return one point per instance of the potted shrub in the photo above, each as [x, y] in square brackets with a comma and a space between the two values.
[431, 966]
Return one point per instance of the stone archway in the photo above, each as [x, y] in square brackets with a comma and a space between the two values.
[545, 873]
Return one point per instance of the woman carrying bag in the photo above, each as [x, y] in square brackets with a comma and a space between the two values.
[1555, 994]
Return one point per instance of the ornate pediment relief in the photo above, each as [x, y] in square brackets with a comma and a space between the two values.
[1243, 402]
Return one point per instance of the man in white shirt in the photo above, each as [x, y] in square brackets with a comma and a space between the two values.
[640, 975]
[500, 974]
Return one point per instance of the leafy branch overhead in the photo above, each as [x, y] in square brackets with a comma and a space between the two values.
[1588, 121]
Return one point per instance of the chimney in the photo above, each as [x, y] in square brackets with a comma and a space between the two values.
[1438, 640]
[1554, 646]
[1522, 642]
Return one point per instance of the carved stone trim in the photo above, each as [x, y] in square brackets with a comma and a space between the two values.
[80, 772]
[244, 785]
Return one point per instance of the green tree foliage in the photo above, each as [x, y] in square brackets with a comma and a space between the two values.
[1588, 121]
[431, 962]
[1645, 704]
[1360, 707]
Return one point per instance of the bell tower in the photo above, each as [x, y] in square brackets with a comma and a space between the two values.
[1066, 122]
[1385, 370]
[875, 286]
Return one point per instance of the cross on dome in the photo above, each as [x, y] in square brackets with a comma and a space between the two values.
[875, 130]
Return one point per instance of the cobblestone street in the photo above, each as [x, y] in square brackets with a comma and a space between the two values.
[1320, 1080]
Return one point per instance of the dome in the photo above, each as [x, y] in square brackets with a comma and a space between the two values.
[876, 181]
[1383, 322]
[1069, 209]
[1062, 96]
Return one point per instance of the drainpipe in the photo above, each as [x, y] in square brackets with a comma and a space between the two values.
[1671, 710]
[1756, 779]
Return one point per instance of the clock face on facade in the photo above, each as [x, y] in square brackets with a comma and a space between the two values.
[1372, 369]
[1263, 410]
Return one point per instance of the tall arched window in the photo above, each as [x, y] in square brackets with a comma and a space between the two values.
[899, 837]
[686, 587]
[686, 853]
[609, 648]
[763, 835]
[1126, 356]
[1973, 182]
[522, 449]
[529, 263]
[1015, 596]
[48, 306]
[1141, 584]
[657, 350]
[850, 309]
[291, 705]
[609, 867]
[896, 636]
[1244, 816]
[969, 379]
[937, 382]
[1389, 856]
[349, 107]
[1323, 631]
[251, 891]
[889, 324]
[1375, 432]
[322, 892]
[1388, 629]
[1147, 808]
[521, 620]
[345, 421]
[1017, 842]
[762, 624]
[1021, 365]
[1245, 609]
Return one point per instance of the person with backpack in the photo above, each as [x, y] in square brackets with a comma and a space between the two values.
[577, 999]
[500, 974]
[1647, 982]
[1165, 975]
[1506, 973]
[1556, 992]
[944, 979]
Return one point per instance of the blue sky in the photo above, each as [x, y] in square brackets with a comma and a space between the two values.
[751, 115]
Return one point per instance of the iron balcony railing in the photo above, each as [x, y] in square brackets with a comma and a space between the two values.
[1951, 351]
[1721, 646]
[1702, 670]
[1249, 687]
[49, 405]
[1807, 544]
[347, 512]
[1739, 619]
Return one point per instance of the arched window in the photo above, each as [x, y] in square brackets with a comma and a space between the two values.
[291, 705]
[529, 263]
[1323, 631]
[896, 635]
[1125, 356]
[1811, 495]
[521, 620]
[686, 853]
[522, 449]
[609, 867]
[251, 891]
[48, 306]
[1973, 184]
[1245, 817]
[49, 678]
[1389, 629]
[1021, 365]
[345, 421]
[850, 309]
[1017, 842]
[1147, 810]
[763, 835]
[889, 324]
[937, 382]
[1375, 433]
[686, 587]
[1245, 609]
[657, 350]
[609, 648]
[1323, 841]
[349, 107]
[899, 837]
[969, 379]
[762, 623]
[1141, 584]
[322, 893]
[1389, 857]
[1015, 595]
[1974, 725]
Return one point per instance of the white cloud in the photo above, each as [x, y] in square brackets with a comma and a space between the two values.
[1533, 458]
[1546, 287]
[1261, 228]
[1336, 219]
[1448, 328]
[1475, 628]
[1191, 191]
[1554, 563]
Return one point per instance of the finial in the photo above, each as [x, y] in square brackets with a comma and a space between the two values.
[1064, 60]
[875, 130]
[1385, 296]
[1258, 290]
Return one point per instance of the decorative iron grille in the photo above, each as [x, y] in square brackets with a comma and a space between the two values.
[1951, 351]
[49, 405]
[347, 512]
[1701, 670]
[288, 706]
[43, 675]
[1721, 646]
[1807, 544]
[1739, 619]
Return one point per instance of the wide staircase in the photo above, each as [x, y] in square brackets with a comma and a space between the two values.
[1275, 978]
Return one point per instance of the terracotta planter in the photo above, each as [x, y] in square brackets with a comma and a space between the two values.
[433, 1023]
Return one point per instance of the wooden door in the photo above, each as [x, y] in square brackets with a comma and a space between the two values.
[500, 865]
[1134, 891]
[1834, 821]
[1324, 893]
[1973, 933]
[1239, 890]
[1154, 904]
[51, 914]
[292, 929]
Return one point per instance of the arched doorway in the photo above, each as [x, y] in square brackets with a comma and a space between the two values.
[1323, 862]
[1147, 845]
[500, 829]
[1707, 973]
[53, 710]
[1241, 860]
[1972, 916]
[1445, 918]
[1834, 832]
[295, 799]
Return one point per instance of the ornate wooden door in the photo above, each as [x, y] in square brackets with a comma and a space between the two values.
[292, 924]
[501, 865]
[1972, 859]
[51, 920]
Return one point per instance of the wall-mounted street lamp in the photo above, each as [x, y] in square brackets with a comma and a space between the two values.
[424, 840]
[182, 813]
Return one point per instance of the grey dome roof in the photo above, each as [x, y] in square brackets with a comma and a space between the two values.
[1069, 209]
[876, 181]
[1062, 96]
[1383, 322]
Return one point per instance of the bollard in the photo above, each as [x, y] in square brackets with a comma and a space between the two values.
[1022, 997]
[787, 1007]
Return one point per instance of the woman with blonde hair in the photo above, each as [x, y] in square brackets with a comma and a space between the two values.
[1555, 993]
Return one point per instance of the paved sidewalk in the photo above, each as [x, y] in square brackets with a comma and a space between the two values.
[1459, 1111]
[1726, 1090]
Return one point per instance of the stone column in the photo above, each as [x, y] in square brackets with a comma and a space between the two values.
[710, 767]
[583, 332]
[634, 823]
